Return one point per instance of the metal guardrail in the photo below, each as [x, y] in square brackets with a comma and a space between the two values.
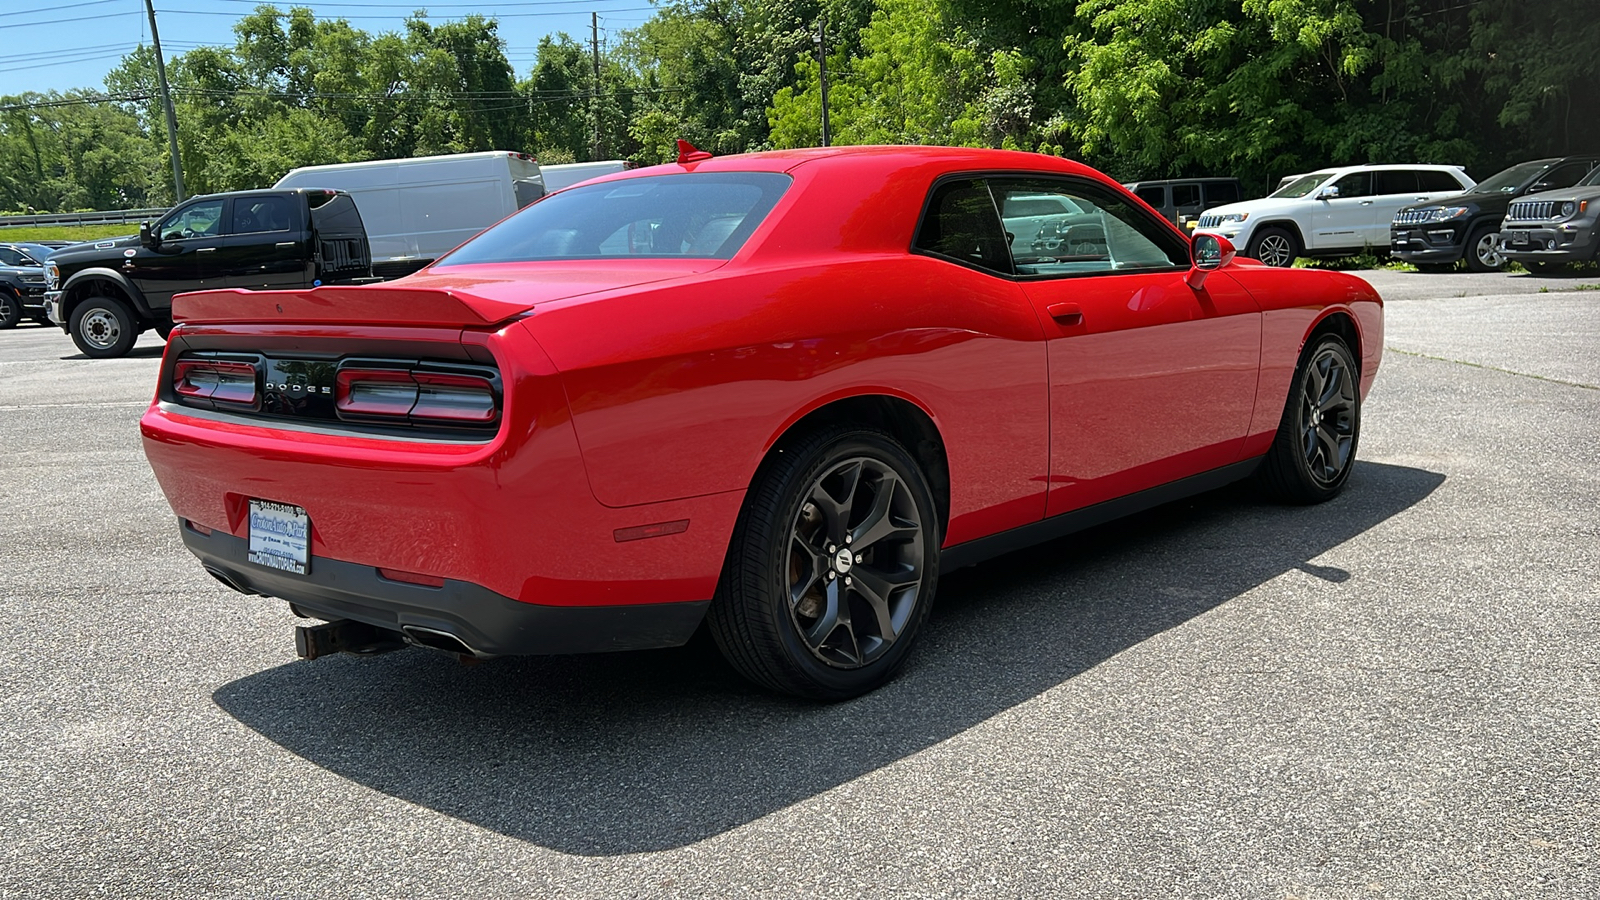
[107, 217]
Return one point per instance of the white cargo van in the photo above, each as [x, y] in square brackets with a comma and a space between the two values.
[567, 174]
[417, 209]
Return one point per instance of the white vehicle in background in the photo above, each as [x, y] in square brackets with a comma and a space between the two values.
[565, 175]
[1330, 212]
[418, 209]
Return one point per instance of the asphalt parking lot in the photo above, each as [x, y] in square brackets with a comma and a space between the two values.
[1396, 694]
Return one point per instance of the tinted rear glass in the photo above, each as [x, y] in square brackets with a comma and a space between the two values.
[1433, 181]
[1224, 192]
[701, 215]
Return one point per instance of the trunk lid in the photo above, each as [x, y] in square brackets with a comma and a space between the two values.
[467, 296]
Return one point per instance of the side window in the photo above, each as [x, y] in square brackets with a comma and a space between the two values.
[1222, 192]
[1185, 195]
[1356, 184]
[1562, 176]
[1433, 181]
[1090, 230]
[961, 223]
[202, 219]
[1399, 181]
[1155, 196]
[257, 214]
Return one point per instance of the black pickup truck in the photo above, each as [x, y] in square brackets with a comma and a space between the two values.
[106, 292]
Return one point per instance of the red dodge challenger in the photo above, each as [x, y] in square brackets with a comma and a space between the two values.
[776, 393]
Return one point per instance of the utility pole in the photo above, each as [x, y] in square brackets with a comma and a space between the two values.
[822, 61]
[166, 101]
[594, 96]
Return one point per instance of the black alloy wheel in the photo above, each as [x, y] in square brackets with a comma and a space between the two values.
[832, 567]
[1275, 246]
[10, 309]
[1483, 250]
[1315, 449]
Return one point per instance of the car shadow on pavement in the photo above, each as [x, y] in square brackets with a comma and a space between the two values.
[148, 352]
[627, 753]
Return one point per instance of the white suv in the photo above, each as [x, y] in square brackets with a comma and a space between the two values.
[1330, 212]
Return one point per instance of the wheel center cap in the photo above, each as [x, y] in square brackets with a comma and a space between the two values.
[843, 560]
[1316, 417]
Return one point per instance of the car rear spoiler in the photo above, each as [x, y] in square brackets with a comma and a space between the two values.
[368, 305]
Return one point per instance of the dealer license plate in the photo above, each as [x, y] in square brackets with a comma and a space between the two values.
[1519, 237]
[280, 537]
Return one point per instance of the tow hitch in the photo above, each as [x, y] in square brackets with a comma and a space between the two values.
[344, 636]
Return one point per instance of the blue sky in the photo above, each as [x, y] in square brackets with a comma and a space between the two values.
[74, 43]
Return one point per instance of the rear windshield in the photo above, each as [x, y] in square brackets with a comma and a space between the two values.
[700, 215]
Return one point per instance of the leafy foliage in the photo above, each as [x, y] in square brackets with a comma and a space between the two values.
[1140, 88]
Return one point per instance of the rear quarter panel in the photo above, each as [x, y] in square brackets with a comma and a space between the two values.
[681, 391]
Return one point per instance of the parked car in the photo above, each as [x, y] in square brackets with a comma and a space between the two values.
[564, 175]
[1550, 229]
[418, 209]
[1331, 212]
[106, 292]
[1181, 200]
[780, 393]
[22, 283]
[1434, 235]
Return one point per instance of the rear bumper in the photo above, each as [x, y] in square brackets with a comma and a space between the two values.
[490, 624]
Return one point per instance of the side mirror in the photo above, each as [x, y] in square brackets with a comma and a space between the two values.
[1328, 193]
[147, 238]
[1207, 252]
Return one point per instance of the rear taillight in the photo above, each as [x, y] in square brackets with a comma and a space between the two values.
[206, 381]
[421, 396]
[387, 393]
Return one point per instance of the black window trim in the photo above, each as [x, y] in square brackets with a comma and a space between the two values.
[988, 176]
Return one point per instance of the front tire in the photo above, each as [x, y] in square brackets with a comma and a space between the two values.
[832, 567]
[1277, 247]
[103, 328]
[1483, 250]
[1311, 458]
[10, 309]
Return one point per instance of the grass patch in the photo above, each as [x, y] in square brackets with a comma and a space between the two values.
[1358, 262]
[26, 233]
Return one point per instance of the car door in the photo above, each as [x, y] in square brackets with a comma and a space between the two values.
[1186, 203]
[1341, 217]
[185, 257]
[266, 247]
[1150, 380]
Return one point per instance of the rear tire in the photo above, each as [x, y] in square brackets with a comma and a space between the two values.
[103, 328]
[832, 567]
[1277, 247]
[1483, 250]
[10, 309]
[1311, 458]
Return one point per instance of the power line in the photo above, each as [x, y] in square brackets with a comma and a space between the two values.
[34, 12]
[318, 4]
[530, 15]
[74, 20]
